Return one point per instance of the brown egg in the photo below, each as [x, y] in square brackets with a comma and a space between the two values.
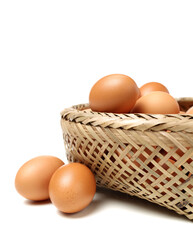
[116, 93]
[156, 103]
[151, 87]
[32, 179]
[190, 110]
[72, 187]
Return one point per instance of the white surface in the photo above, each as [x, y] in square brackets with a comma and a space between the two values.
[51, 53]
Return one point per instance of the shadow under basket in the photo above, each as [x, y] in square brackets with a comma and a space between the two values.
[145, 155]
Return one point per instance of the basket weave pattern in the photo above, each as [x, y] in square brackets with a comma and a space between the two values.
[149, 156]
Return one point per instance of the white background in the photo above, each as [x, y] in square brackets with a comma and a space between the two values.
[51, 53]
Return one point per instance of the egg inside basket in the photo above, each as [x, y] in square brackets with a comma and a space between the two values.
[145, 155]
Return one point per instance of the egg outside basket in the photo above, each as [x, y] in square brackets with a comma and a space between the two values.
[145, 155]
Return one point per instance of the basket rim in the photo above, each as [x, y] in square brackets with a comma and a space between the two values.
[131, 121]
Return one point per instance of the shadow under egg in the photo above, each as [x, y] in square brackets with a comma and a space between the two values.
[37, 203]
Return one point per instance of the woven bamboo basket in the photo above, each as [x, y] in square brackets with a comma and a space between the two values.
[145, 155]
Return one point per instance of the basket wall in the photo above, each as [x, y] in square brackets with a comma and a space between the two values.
[149, 156]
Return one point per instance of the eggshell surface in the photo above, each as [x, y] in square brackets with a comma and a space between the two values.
[72, 187]
[190, 110]
[116, 93]
[156, 103]
[151, 87]
[32, 179]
